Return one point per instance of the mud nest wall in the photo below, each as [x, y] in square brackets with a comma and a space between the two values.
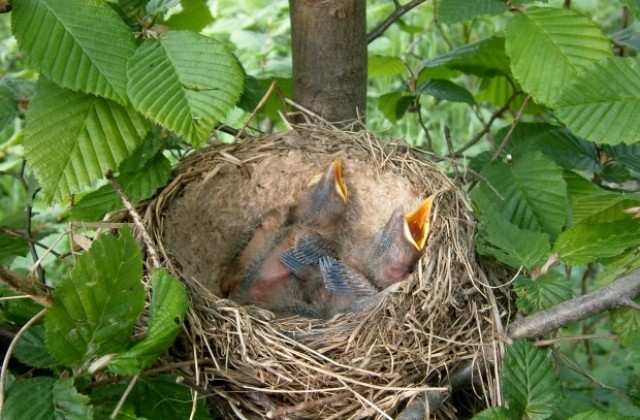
[370, 364]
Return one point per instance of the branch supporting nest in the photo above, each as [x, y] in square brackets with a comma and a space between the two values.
[615, 295]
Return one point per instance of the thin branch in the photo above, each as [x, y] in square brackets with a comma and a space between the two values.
[447, 138]
[399, 11]
[497, 114]
[7, 356]
[429, 146]
[439, 26]
[123, 399]
[615, 295]
[511, 129]
[19, 234]
[550, 341]
[26, 286]
[137, 221]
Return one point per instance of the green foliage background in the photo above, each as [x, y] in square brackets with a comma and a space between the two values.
[542, 103]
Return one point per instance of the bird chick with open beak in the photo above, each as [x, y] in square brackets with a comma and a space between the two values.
[396, 250]
[280, 266]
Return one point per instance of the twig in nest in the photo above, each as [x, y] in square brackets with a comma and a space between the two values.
[137, 221]
[264, 99]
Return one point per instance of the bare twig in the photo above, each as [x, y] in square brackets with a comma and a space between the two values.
[615, 295]
[439, 26]
[548, 342]
[511, 129]
[123, 399]
[497, 114]
[424, 127]
[399, 11]
[137, 221]
[19, 234]
[447, 138]
[27, 286]
[264, 99]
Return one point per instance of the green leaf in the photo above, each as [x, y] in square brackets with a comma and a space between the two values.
[46, 398]
[73, 139]
[534, 192]
[496, 90]
[634, 6]
[143, 184]
[160, 6]
[138, 186]
[21, 404]
[395, 104]
[381, 66]
[628, 37]
[184, 81]
[64, 41]
[544, 53]
[578, 186]
[446, 90]
[132, 9]
[195, 16]
[626, 154]
[603, 101]
[153, 143]
[542, 293]
[97, 303]
[16, 311]
[14, 93]
[625, 321]
[94, 205]
[454, 11]
[506, 242]
[480, 58]
[603, 208]
[495, 413]
[529, 383]
[69, 403]
[625, 264]
[168, 306]
[159, 398]
[31, 349]
[599, 414]
[584, 243]
[558, 143]
[11, 247]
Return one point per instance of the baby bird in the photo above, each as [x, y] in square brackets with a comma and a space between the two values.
[395, 251]
[323, 205]
[277, 266]
[260, 231]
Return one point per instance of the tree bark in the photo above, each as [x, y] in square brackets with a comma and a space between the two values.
[329, 49]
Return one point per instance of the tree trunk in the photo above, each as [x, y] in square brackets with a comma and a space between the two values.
[329, 41]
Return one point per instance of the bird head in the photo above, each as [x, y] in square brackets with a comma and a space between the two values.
[324, 203]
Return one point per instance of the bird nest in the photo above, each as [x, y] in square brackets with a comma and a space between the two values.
[442, 321]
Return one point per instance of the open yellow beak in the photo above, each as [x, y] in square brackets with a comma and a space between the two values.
[417, 224]
[335, 172]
